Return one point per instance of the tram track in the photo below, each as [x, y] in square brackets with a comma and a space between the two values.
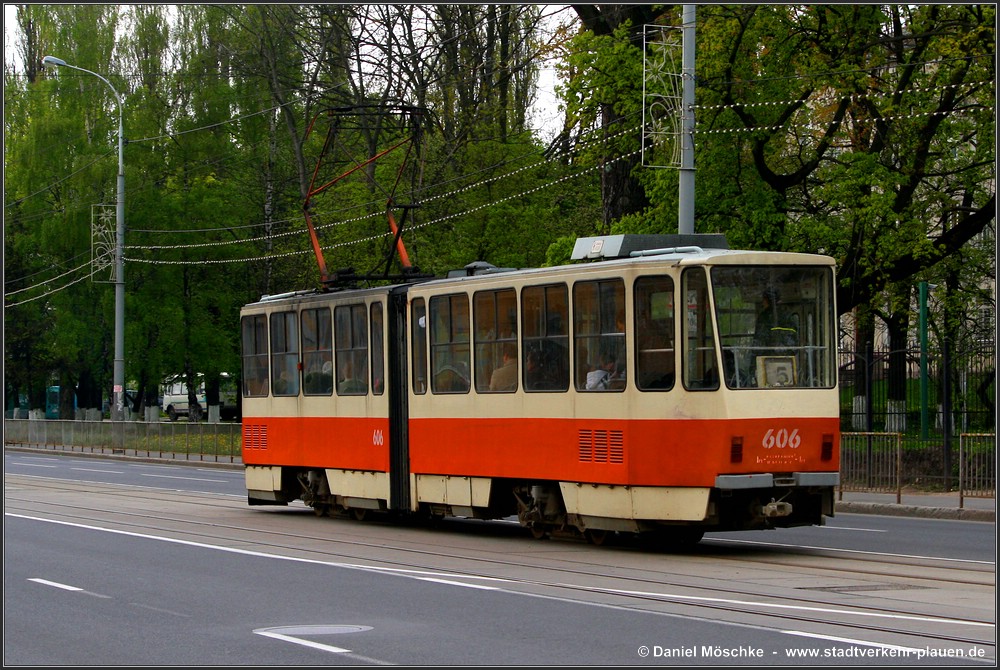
[971, 573]
[567, 570]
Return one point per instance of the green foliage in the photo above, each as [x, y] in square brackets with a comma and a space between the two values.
[863, 131]
[605, 73]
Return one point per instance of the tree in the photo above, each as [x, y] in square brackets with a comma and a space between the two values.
[73, 123]
[863, 105]
[604, 94]
[862, 131]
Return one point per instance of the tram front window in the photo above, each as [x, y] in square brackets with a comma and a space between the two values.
[776, 326]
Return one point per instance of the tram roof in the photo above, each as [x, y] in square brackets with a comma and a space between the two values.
[606, 247]
[609, 251]
[603, 252]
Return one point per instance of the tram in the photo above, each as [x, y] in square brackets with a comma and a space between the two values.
[657, 385]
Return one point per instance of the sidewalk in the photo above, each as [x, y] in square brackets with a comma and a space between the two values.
[927, 505]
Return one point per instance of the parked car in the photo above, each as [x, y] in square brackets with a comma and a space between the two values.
[176, 400]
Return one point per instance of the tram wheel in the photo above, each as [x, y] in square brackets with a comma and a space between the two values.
[538, 532]
[685, 538]
[596, 537]
[321, 510]
[673, 539]
[359, 514]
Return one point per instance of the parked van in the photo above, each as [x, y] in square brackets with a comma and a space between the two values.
[175, 401]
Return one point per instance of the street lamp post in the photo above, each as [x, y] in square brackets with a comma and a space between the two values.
[118, 406]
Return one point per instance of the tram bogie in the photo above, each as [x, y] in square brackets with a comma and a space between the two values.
[659, 395]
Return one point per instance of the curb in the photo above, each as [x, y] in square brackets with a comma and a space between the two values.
[956, 513]
[159, 460]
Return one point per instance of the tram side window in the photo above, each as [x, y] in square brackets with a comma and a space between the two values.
[654, 332]
[599, 334]
[418, 336]
[701, 371]
[284, 354]
[449, 317]
[254, 356]
[351, 339]
[545, 337]
[495, 319]
[317, 351]
[378, 350]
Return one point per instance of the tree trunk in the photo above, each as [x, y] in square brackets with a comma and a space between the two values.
[899, 325]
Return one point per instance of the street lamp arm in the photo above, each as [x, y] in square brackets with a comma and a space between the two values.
[52, 60]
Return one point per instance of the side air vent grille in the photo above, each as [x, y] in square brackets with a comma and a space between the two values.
[601, 446]
[254, 436]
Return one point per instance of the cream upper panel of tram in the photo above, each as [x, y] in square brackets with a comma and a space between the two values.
[316, 406]
[630, 403]
[323, 404]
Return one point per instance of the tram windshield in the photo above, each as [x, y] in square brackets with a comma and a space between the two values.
[776, 326]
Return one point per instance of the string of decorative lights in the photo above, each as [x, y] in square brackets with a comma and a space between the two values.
[386, 234]
[14, 280]
[592, 168]
[47, 293]
[59, 181]
[554, 157]
[898, 117]
[47, 281]
[375, 214]
[854, 97]
[533, 166]
[558, 155]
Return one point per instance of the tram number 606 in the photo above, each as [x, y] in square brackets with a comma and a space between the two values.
[377, 439]
[781, 438]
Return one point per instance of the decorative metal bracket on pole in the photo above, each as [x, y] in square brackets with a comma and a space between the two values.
[118, 388]
[661, 97]
[102, 242]
[668, 108]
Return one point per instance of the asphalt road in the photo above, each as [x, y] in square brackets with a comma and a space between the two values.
[110, 562]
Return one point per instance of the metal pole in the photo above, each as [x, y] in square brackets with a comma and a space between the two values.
[119, 370]
[118, 388]
[685, 200]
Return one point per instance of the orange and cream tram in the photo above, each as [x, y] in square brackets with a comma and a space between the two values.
[670, 386]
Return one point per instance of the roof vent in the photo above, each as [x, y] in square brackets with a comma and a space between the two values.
[477, 268]
[623, 246]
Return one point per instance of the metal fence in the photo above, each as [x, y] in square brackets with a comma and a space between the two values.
[181, 440]
[932, 390]
[869, 461]
[936, 433]
[894, 462]
[977, 466]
